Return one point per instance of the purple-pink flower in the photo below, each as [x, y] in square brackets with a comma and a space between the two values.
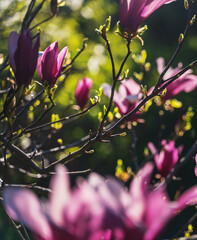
[185, 83]
[127, 97]
[83, 91]
[167, 158]
[50, 63]
[132, 13]
[96, 209]
[23, 56]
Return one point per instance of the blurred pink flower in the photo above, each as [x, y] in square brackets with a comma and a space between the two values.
[127, 97]
[50, 63]
[97, 209]
[185, 83]
[23, 56]
[167, 158]
[132, 13]
[82, 91]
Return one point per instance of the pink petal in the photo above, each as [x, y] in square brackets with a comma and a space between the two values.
[22, 58]
[118, 97]
[153, 5]
[106, 196]
[34, 56]
[23, 206]
[88, 82]
[139, 192]
[195, 170]
[79, 87]
[12, 46]
[158, 213]
[106, 89]
[39, 64]
[152, 148]
[111, 193]
[188, 198]
[160, 64]
[104, 235]
[60, 195]
[128, 94]
[60, 60]
[84, 214]
[131, 86]
[48, 60]
[129, 14]
[186, 84]
[123, 8]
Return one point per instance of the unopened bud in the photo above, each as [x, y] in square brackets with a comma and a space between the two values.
[192, 20]
[108, 23]
[186, 4]
[123, 134]
[181, 37]
[54, 7]
[90, 152]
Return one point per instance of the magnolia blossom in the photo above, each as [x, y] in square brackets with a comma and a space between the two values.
[96, 209]
[82, 91]
[50, 63]
[185, 83]
[167, 158]
[127, 97]
[23, 56]
[132, 13]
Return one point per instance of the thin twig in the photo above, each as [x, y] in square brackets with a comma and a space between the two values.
[115, 79]
[191, 220]
[34, 187]
[60, 120]
[29, 103]
[34, 123]
[27, 15]
[43, 21]
[65, 68]
[34, 13]
[17, 150]
[16, 228]
[160, 80]
[25, 231]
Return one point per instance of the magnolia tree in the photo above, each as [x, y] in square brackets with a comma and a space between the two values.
[134, 203]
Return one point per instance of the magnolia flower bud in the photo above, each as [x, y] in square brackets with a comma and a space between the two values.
[23, 56]
[54, 7]
[50, 63]
[82, 91]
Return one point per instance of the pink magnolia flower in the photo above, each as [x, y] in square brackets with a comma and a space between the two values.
[82, 91]
[167, 158]
[50, 63]
[132, 13]
[23, 56]
[127, 97]
[96, 209]
[185, 83]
